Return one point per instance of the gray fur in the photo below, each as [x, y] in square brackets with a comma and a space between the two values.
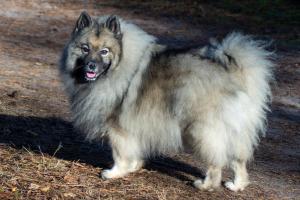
[153, 101]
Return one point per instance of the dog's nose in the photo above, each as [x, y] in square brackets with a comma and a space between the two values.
[91, 65]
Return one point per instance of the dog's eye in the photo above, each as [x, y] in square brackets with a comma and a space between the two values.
[104, 51]
[85, 48]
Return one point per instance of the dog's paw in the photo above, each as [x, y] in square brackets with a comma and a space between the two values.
[110, 173]
[136, 165]
[235, 187]
[202, 185]
[106, 174]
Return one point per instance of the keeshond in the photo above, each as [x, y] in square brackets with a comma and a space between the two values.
[149, 99]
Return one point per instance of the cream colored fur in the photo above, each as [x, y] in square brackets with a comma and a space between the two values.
[212, 99]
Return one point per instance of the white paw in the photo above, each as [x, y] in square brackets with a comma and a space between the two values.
[200, 184]
[111, 173]
[136, 165]
[235, 187]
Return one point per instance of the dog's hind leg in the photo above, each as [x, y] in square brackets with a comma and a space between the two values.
[240, 176]
[126, 155]
[212, 179]
[209, 146]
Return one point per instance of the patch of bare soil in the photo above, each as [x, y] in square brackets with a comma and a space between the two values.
[42, 157]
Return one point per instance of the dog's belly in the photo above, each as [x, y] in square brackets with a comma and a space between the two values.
[155, 130]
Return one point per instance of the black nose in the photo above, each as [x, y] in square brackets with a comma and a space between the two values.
[91, 66]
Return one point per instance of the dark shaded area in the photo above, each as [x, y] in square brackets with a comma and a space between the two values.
[52, 136]
[174, 168]
[288, 115]
[276, 19]
[57, 137]
[268, 12]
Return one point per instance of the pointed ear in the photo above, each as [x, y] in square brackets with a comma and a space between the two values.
[113, 24]
[83, 21]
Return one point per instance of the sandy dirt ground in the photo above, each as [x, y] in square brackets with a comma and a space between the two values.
[42, 157]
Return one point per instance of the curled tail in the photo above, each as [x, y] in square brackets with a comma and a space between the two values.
[237, 50]
[246, 59]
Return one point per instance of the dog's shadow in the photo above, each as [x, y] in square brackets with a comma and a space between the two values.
[57, 137]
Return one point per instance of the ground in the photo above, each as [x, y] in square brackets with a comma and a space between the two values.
[42, 157]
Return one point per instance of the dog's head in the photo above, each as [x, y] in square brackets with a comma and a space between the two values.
[95, 48]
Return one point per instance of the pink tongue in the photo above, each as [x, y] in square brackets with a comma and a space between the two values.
[90, 74]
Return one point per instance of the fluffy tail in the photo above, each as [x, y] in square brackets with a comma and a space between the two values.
[237, 50]
[247, 59]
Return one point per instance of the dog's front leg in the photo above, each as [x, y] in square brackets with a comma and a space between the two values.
[126, 154]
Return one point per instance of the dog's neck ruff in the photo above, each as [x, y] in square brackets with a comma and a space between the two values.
[94, 104]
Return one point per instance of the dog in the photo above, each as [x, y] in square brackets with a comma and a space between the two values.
[148, 99]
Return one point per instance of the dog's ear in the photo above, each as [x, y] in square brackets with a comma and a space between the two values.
[83, 21]
[113, 24]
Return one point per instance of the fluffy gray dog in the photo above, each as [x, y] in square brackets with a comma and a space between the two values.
[148, 99]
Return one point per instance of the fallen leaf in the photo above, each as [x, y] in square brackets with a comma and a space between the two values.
[45, 189]
[71, 179]
[39, 64]
[14, 189]
[69, 194]
[33, 186]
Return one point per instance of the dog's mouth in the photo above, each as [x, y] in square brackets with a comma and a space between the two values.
[84, 74]
[90, 75]
[93, 75]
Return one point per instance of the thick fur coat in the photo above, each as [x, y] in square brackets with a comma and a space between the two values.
[153, 100]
